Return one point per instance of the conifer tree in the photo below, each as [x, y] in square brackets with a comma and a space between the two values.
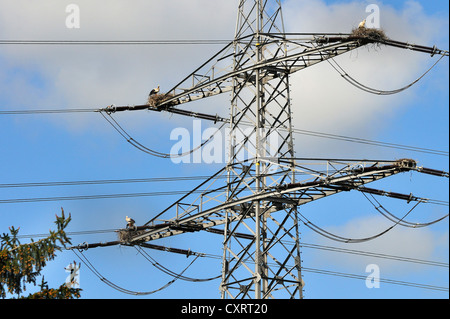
[21, 264]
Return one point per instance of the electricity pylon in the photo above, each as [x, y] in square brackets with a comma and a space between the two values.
[258, 205]
[260, 96]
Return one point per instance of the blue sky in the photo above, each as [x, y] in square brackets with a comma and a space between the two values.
[83, 146]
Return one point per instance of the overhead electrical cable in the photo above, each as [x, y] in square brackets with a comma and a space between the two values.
[170, 272]
[370, 142]
[133, 142]
[147, 150]
[99, 196]
[361, 140]
[302, 244]
[375, 255]
[383, 280]
[116, 42]
[119, 181]
[365, 88]
[348, 240]
[297, 131]
[74, 233]
[46, 111]
[91, 267]
[104, 181]
[384, 212]
[185, 193]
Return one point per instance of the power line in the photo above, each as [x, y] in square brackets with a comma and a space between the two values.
[375, 255]
[147, 150]
[99, 196]
[383, 280]
[91, 267]
[328, 272]
[304, 269]
[104, 181]
[303, 244]
[170, 272]
[347, 240]
[74, 233]
[371, 142]
[387, 214]
[297, 131]
[365, 88]
[177, 276]
[46, 111]
[162, 193]
[139, 146]
[117, 42]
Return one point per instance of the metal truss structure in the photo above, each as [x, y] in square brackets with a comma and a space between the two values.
[257, 208]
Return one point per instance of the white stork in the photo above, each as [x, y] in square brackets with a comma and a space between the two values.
[362, 24]
[130, 222]
[154, 91]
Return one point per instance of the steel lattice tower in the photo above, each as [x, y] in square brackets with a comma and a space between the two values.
[265, 105]
[257, 207]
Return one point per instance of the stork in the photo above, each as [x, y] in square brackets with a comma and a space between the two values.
[130, 222]
[154, 91]
[362, 24]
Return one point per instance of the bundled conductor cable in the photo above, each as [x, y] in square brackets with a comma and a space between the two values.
[118, 288]
[147, 150]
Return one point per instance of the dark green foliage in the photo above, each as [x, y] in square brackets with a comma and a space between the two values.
[21, 264]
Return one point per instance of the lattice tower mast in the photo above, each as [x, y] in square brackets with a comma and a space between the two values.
[265, 265]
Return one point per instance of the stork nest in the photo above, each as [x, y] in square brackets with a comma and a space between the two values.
[125, 235]
[375, 35]
[156, 99]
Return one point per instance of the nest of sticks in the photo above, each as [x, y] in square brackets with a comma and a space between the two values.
[156, 99]
[372, 34]
[125, 235]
